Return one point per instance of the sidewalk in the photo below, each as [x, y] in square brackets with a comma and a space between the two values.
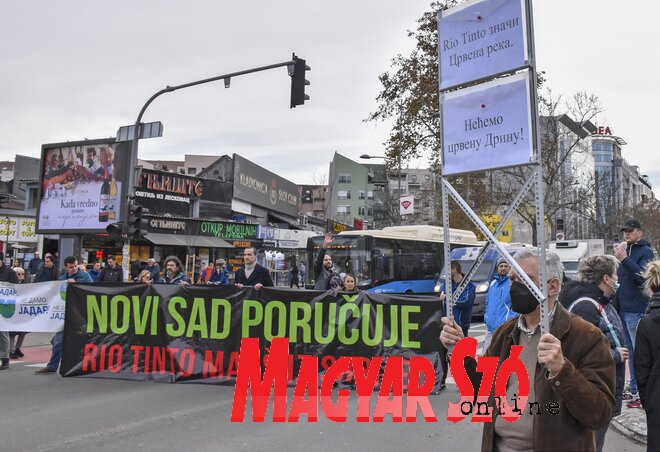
[631, 422]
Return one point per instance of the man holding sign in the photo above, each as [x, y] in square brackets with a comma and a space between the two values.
[570, 368]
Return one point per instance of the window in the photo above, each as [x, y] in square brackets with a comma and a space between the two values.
[344, 178]
[370, 195]
[192, 170]
[370, 212]
[344, 194]
[361, 194]
[361, 210]
[346, 210]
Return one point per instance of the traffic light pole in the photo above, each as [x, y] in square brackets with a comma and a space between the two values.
[296, 69]
[227, 79]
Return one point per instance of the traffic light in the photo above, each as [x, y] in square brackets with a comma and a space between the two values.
[136, 224]
[298, 81]
[115, 231]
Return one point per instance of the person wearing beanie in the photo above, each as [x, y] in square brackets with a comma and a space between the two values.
[6, 275]
[498, 301]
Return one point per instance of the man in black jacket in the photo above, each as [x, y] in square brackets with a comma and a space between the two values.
[48, 271]
[6, 275]
[252, 274]
[111, 273]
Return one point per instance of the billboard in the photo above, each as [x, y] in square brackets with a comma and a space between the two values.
[259, 186]
[82, 185]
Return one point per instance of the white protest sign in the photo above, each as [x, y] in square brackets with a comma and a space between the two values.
[487, 126]
[481, 38]
[32, 308]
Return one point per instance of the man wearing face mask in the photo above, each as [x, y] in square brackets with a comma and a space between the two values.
[571, 365]
[591, 299]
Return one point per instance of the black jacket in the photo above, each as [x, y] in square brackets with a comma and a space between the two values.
[647, 368]
[47, 274]
[258, 275]
[111, 275]
[7, 274]
[585, 309]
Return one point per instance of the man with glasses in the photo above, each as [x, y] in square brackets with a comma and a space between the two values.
[252, 274]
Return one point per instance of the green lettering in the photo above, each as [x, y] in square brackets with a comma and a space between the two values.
[367, 308]
[97, 312]
[350, 298]
[247, 319]
[295, 322]
[141, 316]
[407, 326]
[114, 314]
[281, 320]
[343, 320]
[394, 327]
[176, 316]
[154, 313]
[197, 321]
[318, 323]
[226, 318]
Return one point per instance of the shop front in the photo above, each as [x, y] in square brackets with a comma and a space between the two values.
[18, 237]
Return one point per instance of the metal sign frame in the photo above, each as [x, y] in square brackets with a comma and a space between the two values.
[535, 179]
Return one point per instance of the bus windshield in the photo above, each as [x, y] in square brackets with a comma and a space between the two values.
[349, 255]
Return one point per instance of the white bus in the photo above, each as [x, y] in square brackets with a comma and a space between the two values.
[396, 259]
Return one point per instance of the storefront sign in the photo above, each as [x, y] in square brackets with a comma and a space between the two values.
[18, 229]
[228, 230]
[336, 227]
[259, 186]
[162, 223]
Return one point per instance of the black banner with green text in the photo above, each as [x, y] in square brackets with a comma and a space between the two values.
[172, 333]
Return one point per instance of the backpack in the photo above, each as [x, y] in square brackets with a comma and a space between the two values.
[601, 311]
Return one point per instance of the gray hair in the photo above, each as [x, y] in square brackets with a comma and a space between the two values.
[592, 269]
[553, 264]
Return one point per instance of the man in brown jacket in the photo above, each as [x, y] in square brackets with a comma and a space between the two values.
[570, 366]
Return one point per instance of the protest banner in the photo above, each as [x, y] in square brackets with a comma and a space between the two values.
[172, 333]
[32, 308]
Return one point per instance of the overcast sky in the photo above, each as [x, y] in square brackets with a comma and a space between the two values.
[78, 69]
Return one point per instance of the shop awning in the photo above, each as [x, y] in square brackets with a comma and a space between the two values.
[196, 241]
[281, 219]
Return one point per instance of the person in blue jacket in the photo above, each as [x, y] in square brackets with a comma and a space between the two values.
[498, 301]
[219, 275]
[72, 275]
[463, 307]
[633, 254]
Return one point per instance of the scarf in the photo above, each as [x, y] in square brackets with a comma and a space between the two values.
[248, 270]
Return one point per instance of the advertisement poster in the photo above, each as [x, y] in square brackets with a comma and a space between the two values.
[81, 186]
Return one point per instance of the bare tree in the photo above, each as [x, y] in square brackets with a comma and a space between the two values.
[568, 170]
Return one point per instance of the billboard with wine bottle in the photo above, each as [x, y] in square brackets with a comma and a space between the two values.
[83, 185]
